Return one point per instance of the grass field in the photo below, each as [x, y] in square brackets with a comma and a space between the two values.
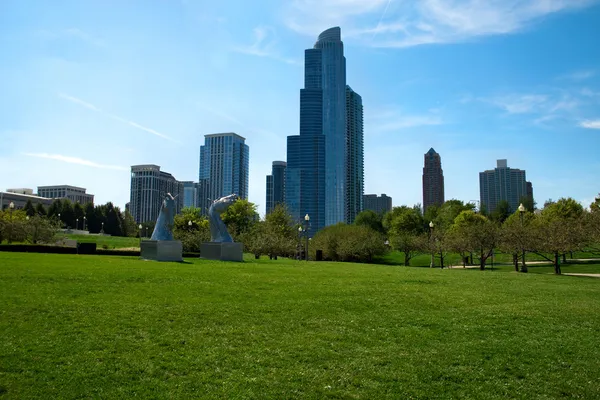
[109, 242]
[118, 327]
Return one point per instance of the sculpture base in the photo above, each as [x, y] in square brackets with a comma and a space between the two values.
[222, 251]
[161, 250]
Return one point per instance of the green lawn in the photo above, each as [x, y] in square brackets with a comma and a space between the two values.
[109, 242]
[118, 327]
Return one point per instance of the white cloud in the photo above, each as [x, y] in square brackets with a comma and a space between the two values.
[264, 45]
[578, 75]
[115, 117]
[75, 160]
[409, 23]
[392, 120]
[590, 124]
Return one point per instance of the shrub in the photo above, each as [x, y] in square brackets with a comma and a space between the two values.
[348, 243]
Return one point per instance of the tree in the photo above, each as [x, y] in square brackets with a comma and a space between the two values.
[280, 232]
[13, 225]
[79, 213]
[528, 203]
[112, 221]
[41, 210]
[404, 225]
[479, 232]
[595, 206]
[448, 212]
[67, 215]
[29, 209]
[194, 234]
[40, 229]
[239, 217]
[343, 242]
[502, 212]
[129, 227]
[560, 229]
[516, 236]
[55, 208]
[370, 219]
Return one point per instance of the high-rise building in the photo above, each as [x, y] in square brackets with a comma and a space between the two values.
[73, 193]
[529, 191]
[355, 155]
[379, 204]
[316, 159]
[276, 185]
[190, 194]
[224, 166]
[149, 187]
[502, 183]
[433, 180]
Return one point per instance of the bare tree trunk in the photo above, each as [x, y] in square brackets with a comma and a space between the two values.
[557, 263]
[406, 259]
[516, 262]
[564, 258]
[442, 260]
[482, 261]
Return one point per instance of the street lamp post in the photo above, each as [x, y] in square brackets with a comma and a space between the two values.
[306, 221]
[59, 221]
[431, 226]
[300, 230]
[521, 213]
[76, 223]
[84, 223]
[140, 228]
[102, 229]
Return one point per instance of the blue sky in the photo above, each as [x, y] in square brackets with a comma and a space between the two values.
[89, 88]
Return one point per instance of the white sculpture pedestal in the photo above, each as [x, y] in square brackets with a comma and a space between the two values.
[222, 251]
[161, 250]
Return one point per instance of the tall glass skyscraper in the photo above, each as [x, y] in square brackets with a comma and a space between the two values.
[224, 166]
[276, 185]
[354, 155]
[316, 159]
[433, 180]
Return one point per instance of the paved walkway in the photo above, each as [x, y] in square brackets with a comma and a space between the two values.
[588, 275]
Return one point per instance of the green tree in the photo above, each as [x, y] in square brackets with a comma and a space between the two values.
[112, 221]
[371, 219]
[595, 206]
[528, 203]
[41, 210]
[239, 217]
[41, 230]
[479, 233]
[280, 232]
[343, 242]
[560, 229]
[448, 212]
[502, 212]
[129, 227]
[67, 215]
[29, 209]
[516, 237]
[404, 226]
[13, 225]
[79, 213]
[55, 208]
[191, 228]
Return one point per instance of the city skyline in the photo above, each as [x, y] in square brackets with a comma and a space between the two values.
[89, 92]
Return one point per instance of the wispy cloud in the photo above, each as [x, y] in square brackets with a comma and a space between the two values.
[221, 114]
[70, 33]
[115, 117]
[394, 120]
[578, 75]
[264, 45]
[590, 124]
[75, 160]
[411, 23]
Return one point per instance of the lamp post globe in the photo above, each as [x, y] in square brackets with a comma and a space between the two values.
[431, 226]
[521, 212]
